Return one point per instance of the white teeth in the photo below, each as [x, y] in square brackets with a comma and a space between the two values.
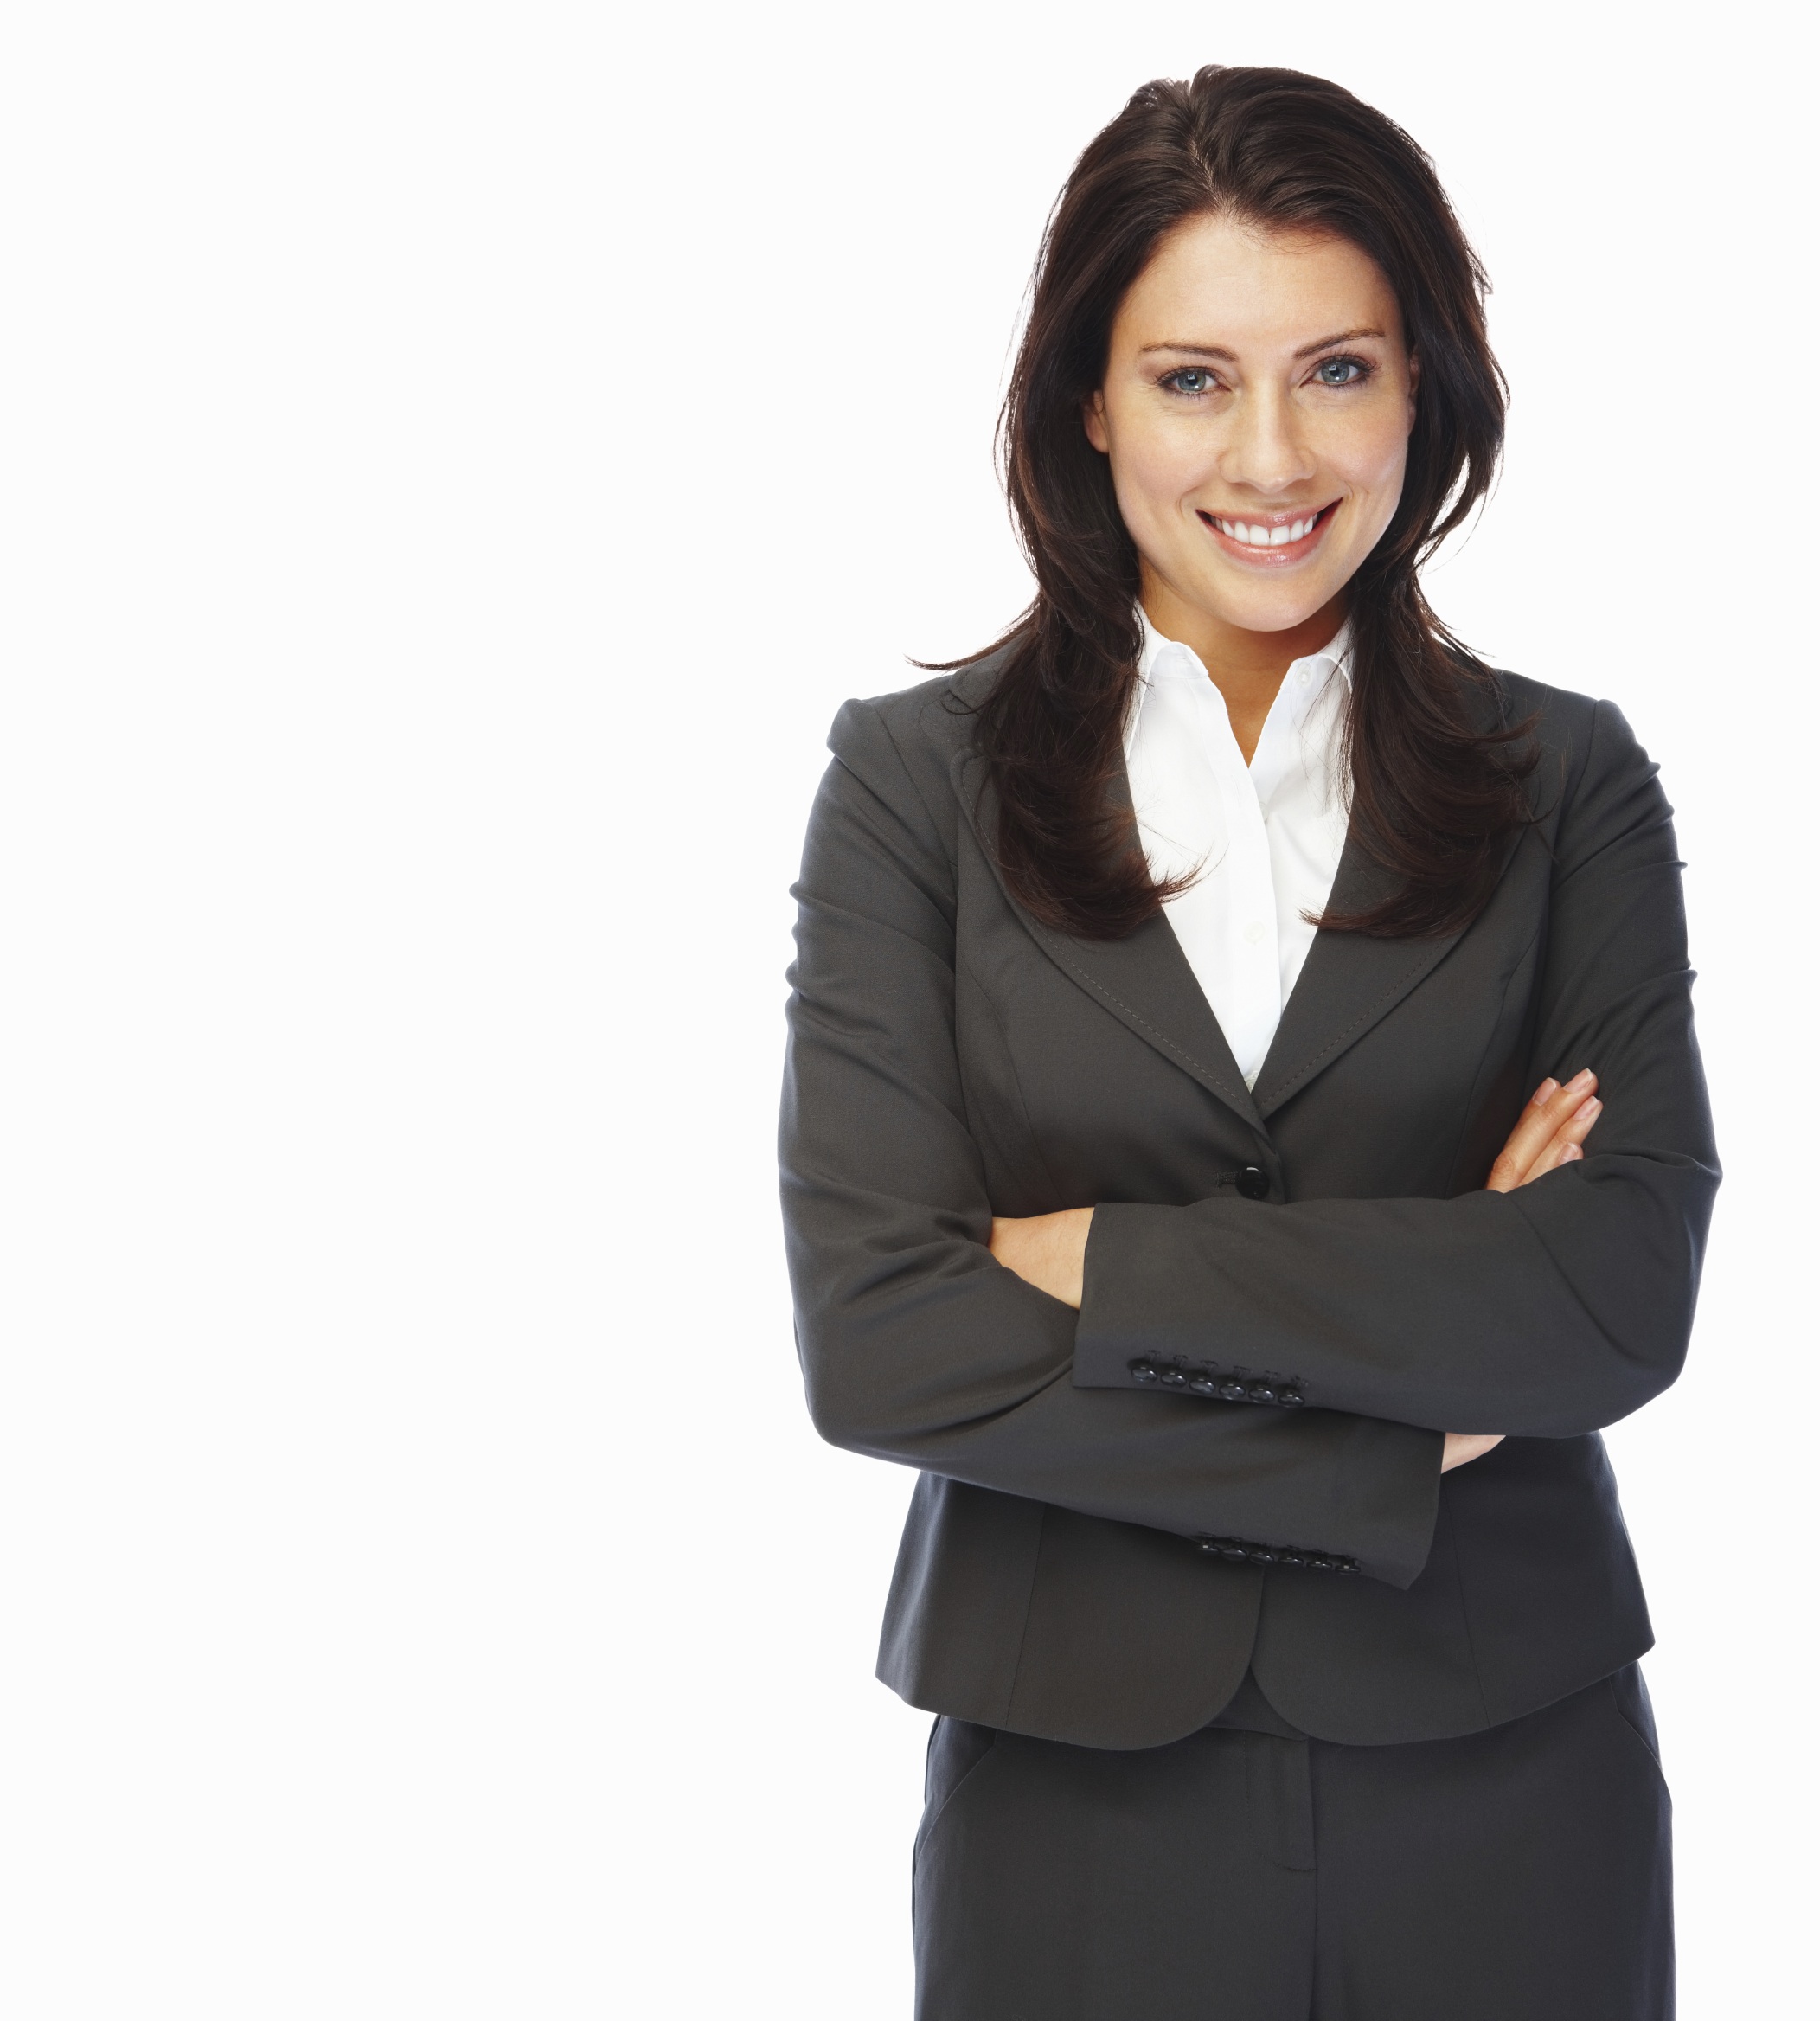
[1248, 534]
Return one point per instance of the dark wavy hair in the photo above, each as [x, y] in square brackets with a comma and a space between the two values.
[1436, 774]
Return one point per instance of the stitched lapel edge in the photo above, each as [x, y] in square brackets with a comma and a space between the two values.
[1074, 958]
[1330, 971]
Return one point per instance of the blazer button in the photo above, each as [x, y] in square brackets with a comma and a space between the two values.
[1253, 1183]
[1144, 1372]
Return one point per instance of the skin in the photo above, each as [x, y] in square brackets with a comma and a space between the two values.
[1262, 379]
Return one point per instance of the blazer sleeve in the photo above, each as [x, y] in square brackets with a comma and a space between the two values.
[1548, 1312]
[916, 1346]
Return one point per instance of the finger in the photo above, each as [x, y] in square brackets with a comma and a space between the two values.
[1544, 1114]
[1525, 1140]
[1559, 1153]
[1565, 1145]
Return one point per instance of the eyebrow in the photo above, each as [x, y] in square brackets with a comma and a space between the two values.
[1214, 350]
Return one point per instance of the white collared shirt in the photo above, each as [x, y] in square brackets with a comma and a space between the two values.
[1265, 839]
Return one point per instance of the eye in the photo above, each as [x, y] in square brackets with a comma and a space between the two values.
[1341, 371]
[1192, 381]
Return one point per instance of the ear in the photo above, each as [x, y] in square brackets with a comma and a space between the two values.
[1092, 416]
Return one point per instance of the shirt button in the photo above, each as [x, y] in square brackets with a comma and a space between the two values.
[1305, 676]
[1254, 932]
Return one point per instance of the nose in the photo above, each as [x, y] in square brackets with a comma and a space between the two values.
[1263, 450]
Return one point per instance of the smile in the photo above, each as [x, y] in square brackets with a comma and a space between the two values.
[1274, 542]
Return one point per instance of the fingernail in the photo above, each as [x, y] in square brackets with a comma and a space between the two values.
[1590, 1106]
[1572, 1152]
[1581, 1082]
[1543, 1093]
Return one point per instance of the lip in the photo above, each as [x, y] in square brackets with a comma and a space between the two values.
[1288, 555]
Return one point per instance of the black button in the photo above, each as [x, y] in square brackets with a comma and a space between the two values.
[1347, 1565]
[1290, 1399]
[1253, 1182]
[1292, 1557]
[1260, 1393]
[1261, 1554]
[1236, 1552]
[1232, 1391]
[1316, 1562]
[1144, 1372]
[1204, 1385]
[1174, 1378]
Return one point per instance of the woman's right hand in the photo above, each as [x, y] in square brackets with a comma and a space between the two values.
[1550, 1132]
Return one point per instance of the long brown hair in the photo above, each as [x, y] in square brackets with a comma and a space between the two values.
[1436, 775]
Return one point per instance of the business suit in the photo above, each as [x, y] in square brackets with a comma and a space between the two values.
[1292, 1292]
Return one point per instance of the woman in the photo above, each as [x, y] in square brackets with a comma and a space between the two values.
[1170, 979]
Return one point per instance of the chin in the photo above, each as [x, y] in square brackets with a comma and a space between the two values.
[1283, 607]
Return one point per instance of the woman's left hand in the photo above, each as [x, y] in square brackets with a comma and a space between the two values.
[1047, 1250]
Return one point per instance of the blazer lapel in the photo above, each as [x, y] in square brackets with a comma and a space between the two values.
[1348, 982]
[1143, 980]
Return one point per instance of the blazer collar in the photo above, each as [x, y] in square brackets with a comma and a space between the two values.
[1143, 980]
[1348, 984]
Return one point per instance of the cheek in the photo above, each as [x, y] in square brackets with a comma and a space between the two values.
[1372, 461]
[1152, 471]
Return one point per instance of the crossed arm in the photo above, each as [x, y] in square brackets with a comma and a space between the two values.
[1570, 1303]
[1049, 1250]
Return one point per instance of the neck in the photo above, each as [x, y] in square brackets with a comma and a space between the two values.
[1246, 667]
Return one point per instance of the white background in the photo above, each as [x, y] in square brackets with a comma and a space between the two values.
[454, 460]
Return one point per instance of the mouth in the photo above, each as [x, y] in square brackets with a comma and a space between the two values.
[1278, 540]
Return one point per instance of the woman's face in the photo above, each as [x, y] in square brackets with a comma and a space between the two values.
[1256, 410]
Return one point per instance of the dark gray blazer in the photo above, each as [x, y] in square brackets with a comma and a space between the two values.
[1232, 1453]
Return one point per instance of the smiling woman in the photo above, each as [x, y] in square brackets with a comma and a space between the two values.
[1275, 264]
[1190, 1123]
[1289, 453]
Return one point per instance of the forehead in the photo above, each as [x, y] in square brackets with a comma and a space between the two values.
[1217, 282]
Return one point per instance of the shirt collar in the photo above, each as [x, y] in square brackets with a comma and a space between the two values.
[1161, 657]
